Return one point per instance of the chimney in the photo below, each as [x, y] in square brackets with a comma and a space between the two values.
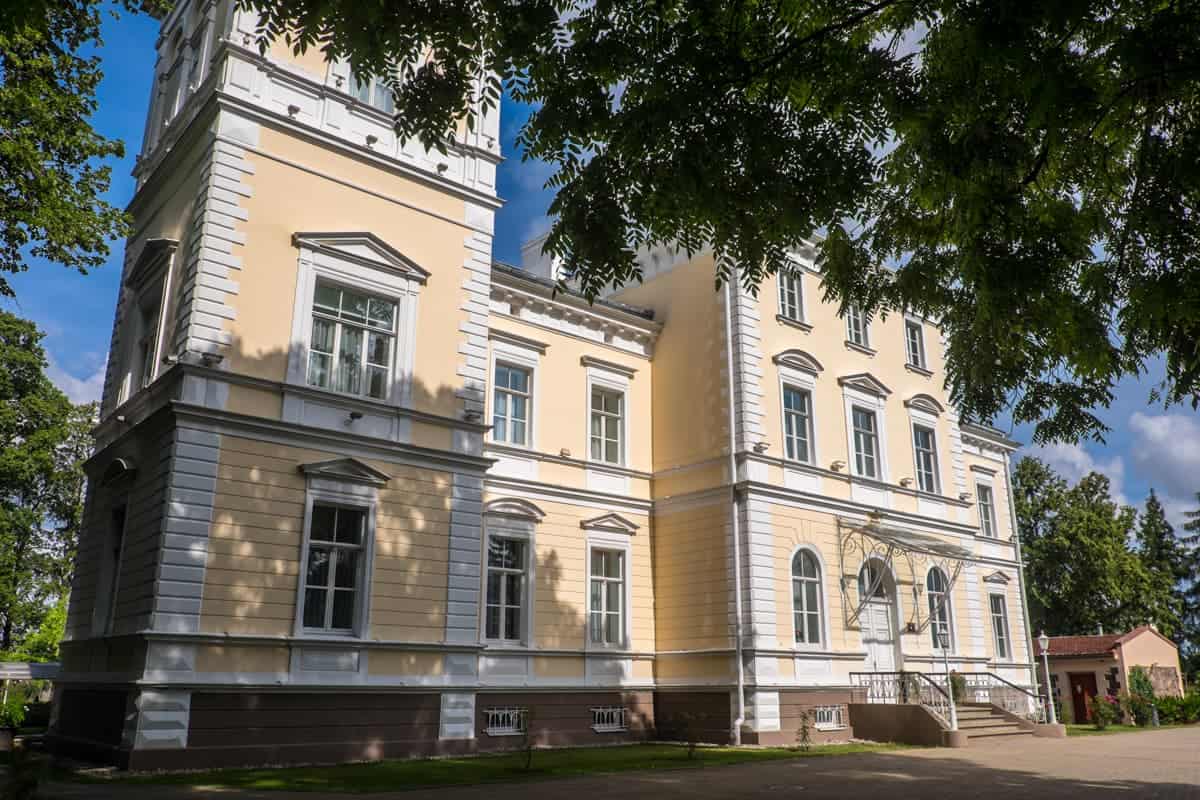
[1100, 628]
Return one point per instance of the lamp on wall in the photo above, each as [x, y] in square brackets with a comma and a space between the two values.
[761, 447]
[906, 482]
[211, 359]
[838, 466]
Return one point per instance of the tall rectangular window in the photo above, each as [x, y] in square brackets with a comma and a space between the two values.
[1000, 626]
[925, 453]
[607, 425]
[856, 327]
[790, 299]
[866, 443]
[987, 510]
[914, 342]
[148, 340]
[333, 575]
[510, 404]
[506, 569]
[374, 92]
[797, 424]
[116, 538]
[606, 602]
[353, 338]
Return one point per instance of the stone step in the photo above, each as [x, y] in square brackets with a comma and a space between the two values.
[985, 723]
[995, 733]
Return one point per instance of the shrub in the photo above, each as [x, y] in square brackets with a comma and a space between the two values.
[804, 732]
[12, 711]
[1139, 682]
[1189, 707]
[1138, 708]
[1105, 710]
[958, 687]
[1170, 709]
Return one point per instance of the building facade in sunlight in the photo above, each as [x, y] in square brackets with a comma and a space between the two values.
[360, 492]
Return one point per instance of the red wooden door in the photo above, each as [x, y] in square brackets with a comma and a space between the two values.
[1083, 689]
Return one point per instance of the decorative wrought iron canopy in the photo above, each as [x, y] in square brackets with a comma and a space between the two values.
[860, 543]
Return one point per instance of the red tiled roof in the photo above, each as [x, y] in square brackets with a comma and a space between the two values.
[1100, 645]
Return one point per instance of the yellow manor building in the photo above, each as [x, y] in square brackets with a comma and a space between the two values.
[360, 492]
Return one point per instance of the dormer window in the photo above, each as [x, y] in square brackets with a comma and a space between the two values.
[353, 338]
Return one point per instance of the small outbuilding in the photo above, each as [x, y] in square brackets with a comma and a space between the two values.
[1082, 667]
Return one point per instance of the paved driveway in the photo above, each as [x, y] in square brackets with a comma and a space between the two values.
[1156, 764]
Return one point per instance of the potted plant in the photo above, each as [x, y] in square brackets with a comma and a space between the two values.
[12, 714]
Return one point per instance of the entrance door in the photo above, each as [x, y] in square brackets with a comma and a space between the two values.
[876, 587]
[879, 637]
[1083, 689]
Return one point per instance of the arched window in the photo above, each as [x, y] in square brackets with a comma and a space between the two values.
[939, 607]
[806, 597]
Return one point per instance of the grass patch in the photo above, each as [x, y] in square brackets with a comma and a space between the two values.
[381, 776]
[1090, 730]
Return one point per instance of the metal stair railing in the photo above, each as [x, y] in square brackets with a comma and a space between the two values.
[903, 688]
[990, 688]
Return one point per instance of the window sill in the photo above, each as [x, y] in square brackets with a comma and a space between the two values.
[927, 373]
[859, 348]
[831, 727]
[793, 323]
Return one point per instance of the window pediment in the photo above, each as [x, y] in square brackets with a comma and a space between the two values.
[865, 382]
[514, 507]
[155, 255]
[365, 248]
[120, 469]
[800, 360]
[996, 577]
[611, 523]
[926, 403]
[346, 469]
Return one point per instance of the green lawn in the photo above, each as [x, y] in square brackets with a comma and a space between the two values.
[396, 775]
[1090, 730]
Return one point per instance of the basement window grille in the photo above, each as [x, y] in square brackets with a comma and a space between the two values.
[829, 718]
[509, 721]
[608, 719]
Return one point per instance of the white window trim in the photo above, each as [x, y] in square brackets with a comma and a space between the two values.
[801, 295]
[949, 595]
[353, 273]
[510, 527]
[852, 397]
[799, 380]
[504, 352]
[605, 379]
[866, 328]
[350, 495]
[926, 420]
[824, 645]
[111, 576]
[913, 321]
[620, 542]
[986, 480]
[996, 657]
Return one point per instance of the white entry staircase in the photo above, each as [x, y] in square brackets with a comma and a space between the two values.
[985, 721]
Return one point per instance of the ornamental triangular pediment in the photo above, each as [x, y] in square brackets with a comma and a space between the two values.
[362, 247]
[346, 469]
[611, 523]
[514, 507]
[925, 402]
[800, 360]
[996, 577]
[865, 382]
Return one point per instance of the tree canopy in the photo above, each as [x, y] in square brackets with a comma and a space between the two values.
[1091, 562]
[44, 440]
[1027, 173]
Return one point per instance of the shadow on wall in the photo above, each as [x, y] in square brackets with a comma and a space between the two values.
[253, 570]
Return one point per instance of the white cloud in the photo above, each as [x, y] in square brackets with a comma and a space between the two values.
[1166, 452]
[79, 390]
[1073, 462]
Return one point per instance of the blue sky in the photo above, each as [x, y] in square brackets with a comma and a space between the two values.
[1149, 445]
